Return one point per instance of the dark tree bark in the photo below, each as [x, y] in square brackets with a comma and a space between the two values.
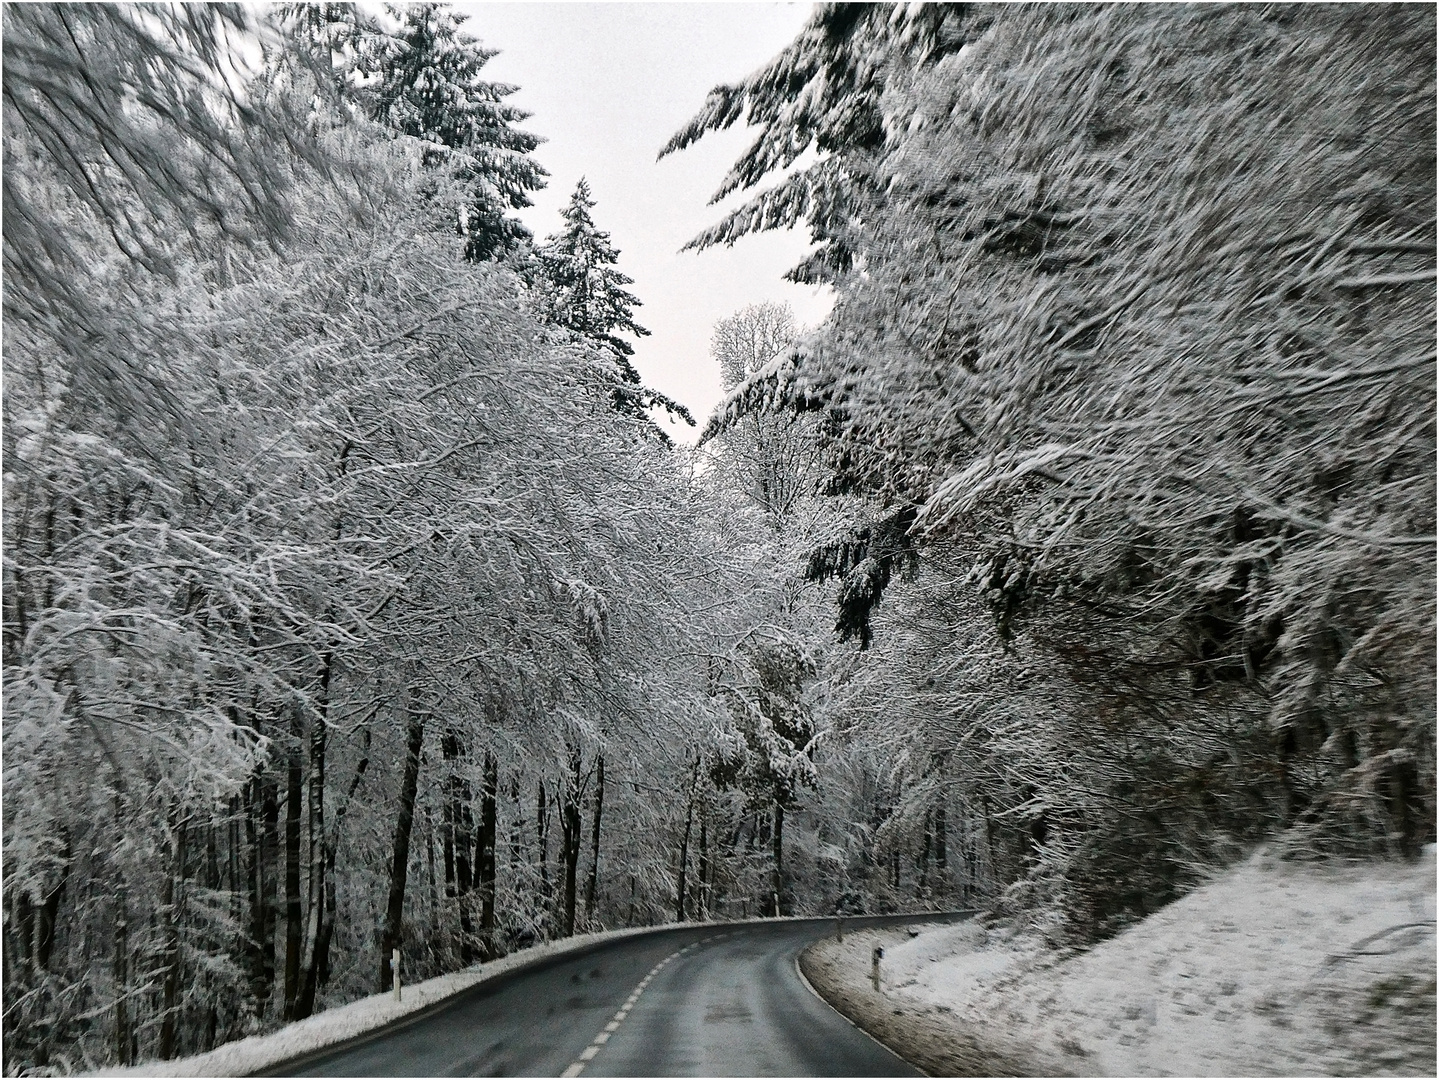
[570, 831]
[777, 838]
[254, 881]
[121, 973]
[941, 843]
[464, 876]
[212, 856]
[447, 814]
[390, 938]
[989, 852]
[294, 914]
[331, 842]
[232, 861]
[485, 856]
[434, 906]
[458, 825]
[47, 916]
[315, 920]
[702, 907]
[680, 897]
[593, 881]
[542, 829]
[517, 826]
[171, 901]
[269, 885]
[924, 850]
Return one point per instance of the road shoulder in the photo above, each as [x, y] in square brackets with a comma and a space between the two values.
[934, 1041]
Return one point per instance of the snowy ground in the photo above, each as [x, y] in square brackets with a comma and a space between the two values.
[1274, 968]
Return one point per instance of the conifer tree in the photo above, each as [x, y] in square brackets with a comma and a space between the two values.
[422, 79]
[584, 292]
[823, 91]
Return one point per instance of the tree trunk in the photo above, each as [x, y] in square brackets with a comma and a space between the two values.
[390, 939]
[212, 857]
[294, 915]
[989, 852]
[433, 934]
[542, 829]
[250, 805]
[48, 914]
[680, 897]
[458, 826]
[592, 882]
[121, 973]
[269, 885]
[517, 825]
[315, 928]
[485, 857]
[570, 839]
[570, 831]
[447, 842]
[778, 840]
[331, 842]
[923, 861]
[941, 845]
[232, 860]
[702, 908]
[171, 901]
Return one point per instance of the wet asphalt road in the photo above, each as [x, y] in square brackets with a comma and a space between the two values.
[711, 1001]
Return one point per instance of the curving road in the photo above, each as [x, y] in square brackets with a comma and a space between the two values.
[708, 1001]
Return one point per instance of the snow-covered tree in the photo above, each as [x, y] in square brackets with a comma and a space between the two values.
[585, 291]
[772, 456]
[842, 59]
[418, 73]
[582, 290]
[1145, 379]
[341, 608]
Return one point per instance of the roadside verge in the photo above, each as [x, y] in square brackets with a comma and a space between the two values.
[258, 1053]
[369, 1016]
[932, 1038]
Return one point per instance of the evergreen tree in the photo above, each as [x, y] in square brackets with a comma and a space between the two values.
[423, 80]
[823, 91]
[584, 292]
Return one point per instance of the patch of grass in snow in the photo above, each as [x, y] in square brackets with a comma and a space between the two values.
[1402, 995]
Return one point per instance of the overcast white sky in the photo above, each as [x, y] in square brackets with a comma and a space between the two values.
[608, 84]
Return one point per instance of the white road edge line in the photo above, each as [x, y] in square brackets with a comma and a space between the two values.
[810, 987]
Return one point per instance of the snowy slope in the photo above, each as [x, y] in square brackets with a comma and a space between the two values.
[1274, 968]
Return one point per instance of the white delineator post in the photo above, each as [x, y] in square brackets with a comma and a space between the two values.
[395, 971]
[874, 959]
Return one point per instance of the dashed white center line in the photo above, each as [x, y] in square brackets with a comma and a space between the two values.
[588, 1053]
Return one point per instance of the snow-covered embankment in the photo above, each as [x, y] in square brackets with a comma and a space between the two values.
[1273, 968]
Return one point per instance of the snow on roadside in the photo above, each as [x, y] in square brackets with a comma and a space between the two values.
[247, 1056]
[1273, 968]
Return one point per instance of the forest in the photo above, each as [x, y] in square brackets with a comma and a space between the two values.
[356, 601]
